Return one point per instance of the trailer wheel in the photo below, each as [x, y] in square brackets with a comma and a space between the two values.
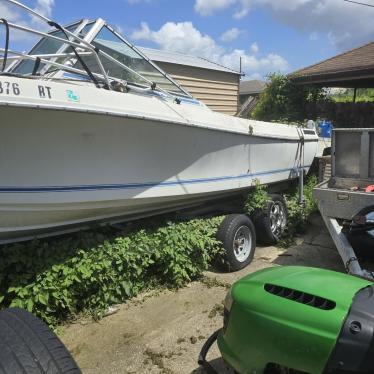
[271, 221]
[238, 236]
[27, 345]
[363, 244]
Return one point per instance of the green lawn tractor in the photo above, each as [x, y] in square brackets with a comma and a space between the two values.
[297, 319]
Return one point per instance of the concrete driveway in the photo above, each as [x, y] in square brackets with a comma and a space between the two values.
[162, 332]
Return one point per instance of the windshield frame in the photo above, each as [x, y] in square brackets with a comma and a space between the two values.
[83, 43]
[98, 26]
[79, 26]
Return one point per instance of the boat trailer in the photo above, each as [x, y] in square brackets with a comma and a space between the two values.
[346, 200]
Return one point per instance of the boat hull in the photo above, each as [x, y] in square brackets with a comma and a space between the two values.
[62, 168]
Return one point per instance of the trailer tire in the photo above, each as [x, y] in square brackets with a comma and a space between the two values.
[271, 221]
[27, 345]
[238, 236]
[362, 244]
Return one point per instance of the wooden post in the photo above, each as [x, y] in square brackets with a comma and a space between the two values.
[354, 94]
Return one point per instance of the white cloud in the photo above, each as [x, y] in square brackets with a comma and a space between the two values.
[44, 7]
[8, 13]
[180, 37]
[230, 35]
[346, 25]
[12, 15]
[254, 76]
[254, 47]
[143, 33]
[252, 64]
[15, 15]
[185, 38]
[207, 7]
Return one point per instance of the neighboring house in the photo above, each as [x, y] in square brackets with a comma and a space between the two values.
[352, 69]
[249, 93]
[250, 88]
[215, 85]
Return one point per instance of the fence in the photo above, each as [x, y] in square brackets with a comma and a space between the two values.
[343, 114]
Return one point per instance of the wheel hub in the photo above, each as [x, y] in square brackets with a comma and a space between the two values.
[242, 243]
[277, 219]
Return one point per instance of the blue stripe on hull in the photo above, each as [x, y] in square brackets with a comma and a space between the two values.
[39, 189]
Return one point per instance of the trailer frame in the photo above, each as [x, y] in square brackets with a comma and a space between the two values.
[342, 199]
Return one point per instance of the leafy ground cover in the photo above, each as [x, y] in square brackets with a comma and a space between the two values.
[56, 279]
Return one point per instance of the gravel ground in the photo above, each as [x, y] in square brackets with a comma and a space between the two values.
[163, 332]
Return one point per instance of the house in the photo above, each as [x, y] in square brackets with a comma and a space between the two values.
[215, 85]
[249, 93]
[351, 69]
[250, 88]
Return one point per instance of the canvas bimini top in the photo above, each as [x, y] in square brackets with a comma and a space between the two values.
[89, 51]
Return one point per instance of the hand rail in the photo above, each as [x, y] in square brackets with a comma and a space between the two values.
[76, 42]
[69, 33]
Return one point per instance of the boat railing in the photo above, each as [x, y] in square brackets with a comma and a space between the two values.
[80, 48]
[82, 43]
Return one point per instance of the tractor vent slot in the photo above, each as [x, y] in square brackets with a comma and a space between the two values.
[300, 297]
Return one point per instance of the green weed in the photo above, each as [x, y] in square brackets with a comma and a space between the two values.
[56, 279]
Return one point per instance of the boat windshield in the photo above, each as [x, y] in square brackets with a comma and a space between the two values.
[107, 41]
[124, 61]
[44, 46]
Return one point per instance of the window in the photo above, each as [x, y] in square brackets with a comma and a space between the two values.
[111, 44]
[44, 46]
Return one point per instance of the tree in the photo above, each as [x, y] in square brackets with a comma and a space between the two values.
[284, 101]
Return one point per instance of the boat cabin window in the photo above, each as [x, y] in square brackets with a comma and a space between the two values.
[110, 43]
[44, 46]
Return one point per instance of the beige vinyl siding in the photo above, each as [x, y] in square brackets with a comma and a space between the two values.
[217, 89]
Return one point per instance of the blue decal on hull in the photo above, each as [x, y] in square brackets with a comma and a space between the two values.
[39, 189]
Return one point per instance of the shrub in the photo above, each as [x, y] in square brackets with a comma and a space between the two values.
[58, 278]
[257, 198]
[285, 101]
[297, 213]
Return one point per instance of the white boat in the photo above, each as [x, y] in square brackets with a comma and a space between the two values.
[118, 138]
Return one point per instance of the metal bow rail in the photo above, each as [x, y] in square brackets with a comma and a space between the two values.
[80, 48]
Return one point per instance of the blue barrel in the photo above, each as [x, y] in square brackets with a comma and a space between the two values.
[325, 128]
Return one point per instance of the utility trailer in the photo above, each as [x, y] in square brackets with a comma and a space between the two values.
[345, 201]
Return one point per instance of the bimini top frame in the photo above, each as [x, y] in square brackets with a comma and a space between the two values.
[75, 47]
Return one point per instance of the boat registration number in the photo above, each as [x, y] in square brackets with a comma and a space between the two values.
[9, 88]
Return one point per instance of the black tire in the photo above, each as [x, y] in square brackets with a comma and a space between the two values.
[27, 345]
[362, 244]
[233, 228]
[268, 229]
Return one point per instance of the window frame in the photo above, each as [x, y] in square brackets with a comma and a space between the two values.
[100, 25]
[80, 24]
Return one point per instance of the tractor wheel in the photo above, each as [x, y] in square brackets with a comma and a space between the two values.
[271, 221]
[238, 236]
[27, 345]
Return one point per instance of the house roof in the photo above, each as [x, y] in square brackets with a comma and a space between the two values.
[158, 55]
[354, 68]
[251, 87]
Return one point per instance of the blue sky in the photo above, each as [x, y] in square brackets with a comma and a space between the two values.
[270, 35]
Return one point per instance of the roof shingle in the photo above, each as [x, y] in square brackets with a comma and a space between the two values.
[251, 87]
[357, 60]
